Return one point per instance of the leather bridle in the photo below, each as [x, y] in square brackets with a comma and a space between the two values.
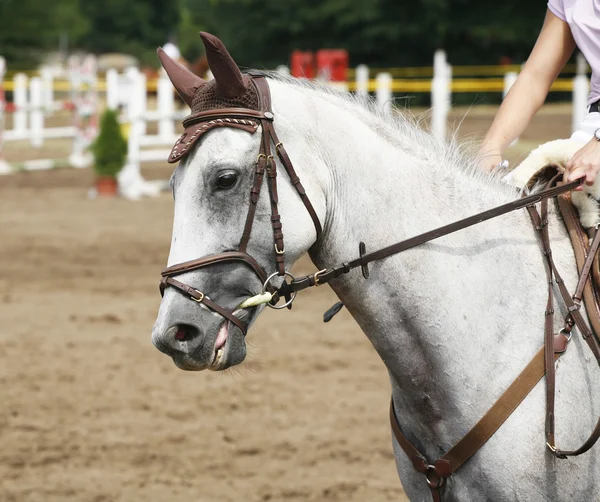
[265, 164]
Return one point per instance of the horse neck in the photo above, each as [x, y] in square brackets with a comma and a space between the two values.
[381, 181]
[433, 311]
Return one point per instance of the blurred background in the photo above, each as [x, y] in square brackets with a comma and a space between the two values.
[89, 409]
[380, 33]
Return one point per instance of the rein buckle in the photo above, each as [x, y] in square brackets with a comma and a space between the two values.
[317, 276]
[200, 295]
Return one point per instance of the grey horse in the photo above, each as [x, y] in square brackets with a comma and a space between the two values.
[454, 321]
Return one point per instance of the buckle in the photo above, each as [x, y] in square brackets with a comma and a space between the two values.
[317, 276]
[555, 451]
[434, 480]
[200, 294]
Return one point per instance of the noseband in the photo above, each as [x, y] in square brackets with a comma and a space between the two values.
[246, 119]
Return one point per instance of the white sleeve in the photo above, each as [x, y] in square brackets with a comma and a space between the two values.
[557, 8]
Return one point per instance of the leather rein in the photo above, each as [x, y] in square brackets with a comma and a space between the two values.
[436, 473]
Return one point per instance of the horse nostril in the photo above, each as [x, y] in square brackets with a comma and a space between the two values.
[185, 333]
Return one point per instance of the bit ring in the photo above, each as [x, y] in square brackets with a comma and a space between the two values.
[294, 293]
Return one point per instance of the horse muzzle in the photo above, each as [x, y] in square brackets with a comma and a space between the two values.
[197, 338]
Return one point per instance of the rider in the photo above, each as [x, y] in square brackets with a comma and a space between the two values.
[568, 23]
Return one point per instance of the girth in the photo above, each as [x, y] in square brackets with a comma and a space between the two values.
[245, 119]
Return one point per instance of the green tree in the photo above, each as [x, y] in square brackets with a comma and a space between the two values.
[110, 147]
[30, 28]
[135, 27]
[262, 33]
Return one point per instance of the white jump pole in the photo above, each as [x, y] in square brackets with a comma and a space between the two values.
[166, 108]
[135, 112]
[361, 76]
[85, 120]
[36, 117]
[4, 166]
[440, 94]
[142, 89]
[131, 183]
[581, 89]
[112, 89]
[47, 89]
[20, 101]
[74, 74]
[383, 93]
[136, 101]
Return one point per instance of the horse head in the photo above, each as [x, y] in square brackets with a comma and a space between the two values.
[234, 194]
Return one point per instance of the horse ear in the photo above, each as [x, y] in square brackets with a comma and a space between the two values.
[228, 77]
[184, 81]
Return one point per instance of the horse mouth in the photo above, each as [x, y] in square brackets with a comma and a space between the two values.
[222, 343]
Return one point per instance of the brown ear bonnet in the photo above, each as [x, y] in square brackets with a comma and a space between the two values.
[229, 89]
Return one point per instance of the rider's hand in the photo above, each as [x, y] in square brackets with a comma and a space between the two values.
[585, 163]
[488, 159]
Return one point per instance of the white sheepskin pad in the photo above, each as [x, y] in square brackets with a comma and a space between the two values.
[558, 152]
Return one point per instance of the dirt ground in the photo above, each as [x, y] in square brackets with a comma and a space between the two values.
[91, 411]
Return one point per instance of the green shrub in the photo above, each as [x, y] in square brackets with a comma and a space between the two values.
[110, 147]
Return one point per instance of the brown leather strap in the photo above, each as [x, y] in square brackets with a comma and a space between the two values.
[269, 133]
[200, 297]
[574, 308]
[483, 430]
[259, 174]
[276, 225]
[241, 113]
[541, 225]
[587, 267]
[275, 216]
[331, 273]
[294, 179]
[574, 318]
[264, 95]
[580, 246]
[225, 257]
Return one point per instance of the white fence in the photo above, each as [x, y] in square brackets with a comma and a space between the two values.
[441, 91]
[34, 102]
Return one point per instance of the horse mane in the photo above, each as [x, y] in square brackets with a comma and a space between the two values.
[454, 160]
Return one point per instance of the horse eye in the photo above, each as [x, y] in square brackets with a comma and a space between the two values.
[226, 180]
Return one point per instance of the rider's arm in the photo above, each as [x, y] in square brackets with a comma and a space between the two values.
[552, 50]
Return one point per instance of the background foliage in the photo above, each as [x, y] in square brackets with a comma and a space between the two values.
[262, 33]
[110, 147]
